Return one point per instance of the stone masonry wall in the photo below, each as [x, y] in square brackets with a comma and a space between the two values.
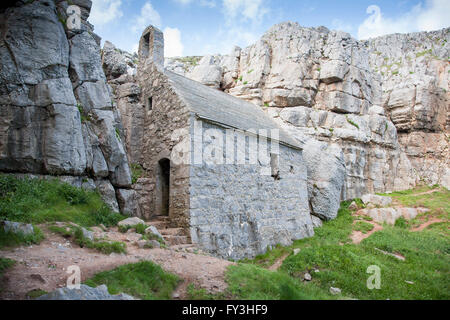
[236, 212]
[168, 117]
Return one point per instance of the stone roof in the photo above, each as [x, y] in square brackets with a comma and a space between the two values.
[216, 106]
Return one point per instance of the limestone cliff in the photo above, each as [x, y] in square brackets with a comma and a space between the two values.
[57, 116]
[383, 101]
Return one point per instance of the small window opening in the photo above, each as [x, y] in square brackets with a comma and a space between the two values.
[146, 46]
[149, 104]
[274, 166]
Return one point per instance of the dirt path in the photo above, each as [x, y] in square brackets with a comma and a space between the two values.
[358, 236]
[426, 192]
[278, 262]
[426, 224]
[44, 266]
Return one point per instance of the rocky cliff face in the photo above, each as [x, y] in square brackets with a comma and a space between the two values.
[57, 116]
[383, 101]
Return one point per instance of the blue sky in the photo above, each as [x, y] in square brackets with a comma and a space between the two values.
[199, 27]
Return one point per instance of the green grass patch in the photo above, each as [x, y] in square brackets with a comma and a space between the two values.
[139, 228]
[35, 293]
[11, 239]
[363, 226]
[352, 122]
[5, 263]
[38, 201]
[144, 280]
[250, 282]
[136, 172]
[105, 247]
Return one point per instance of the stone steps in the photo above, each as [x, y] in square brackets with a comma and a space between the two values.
[172, 232]
[172, 236]
[176, 240]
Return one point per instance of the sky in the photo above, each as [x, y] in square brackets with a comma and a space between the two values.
[199, 27]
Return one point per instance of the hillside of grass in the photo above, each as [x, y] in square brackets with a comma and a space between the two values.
[39, 201]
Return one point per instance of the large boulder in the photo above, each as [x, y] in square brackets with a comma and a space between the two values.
[84, 293]
[326, 176]
[128, 202]
[376, 200]
[18, 227]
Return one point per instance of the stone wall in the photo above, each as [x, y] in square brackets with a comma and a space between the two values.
[57, 116]
[163, 128]
[237, 212]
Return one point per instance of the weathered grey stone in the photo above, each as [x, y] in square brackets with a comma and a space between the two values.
[128, 202]
[335, 291]
[376, 200]
[316, 221]
[108, 194]
[326, 174]
[84, 293]
[18, 227]
[390, 215]
[131, 222]
[88, 234]
[154, 231]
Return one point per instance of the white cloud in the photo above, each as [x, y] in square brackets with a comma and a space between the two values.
[203, 3]
[247, 10]
[340, 25]
[173, 47]
[434, 15]
[147, 16]
[104, 11]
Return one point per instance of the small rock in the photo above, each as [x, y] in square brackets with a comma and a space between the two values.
[176, 296]
[153, 230]
[154, 243]
[141, 243]
[88, 234]
[376, 200]
[335, 291]
[353, 206]
[37, 277]
[131, 222]
[307, 277]
[316, 270]
[409, 282]
[296, 251]
[101, 225]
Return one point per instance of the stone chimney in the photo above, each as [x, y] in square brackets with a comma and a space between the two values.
[151, 47]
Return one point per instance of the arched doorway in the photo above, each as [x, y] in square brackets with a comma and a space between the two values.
[163, 187]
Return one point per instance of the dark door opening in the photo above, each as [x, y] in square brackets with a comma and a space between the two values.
[163, 185]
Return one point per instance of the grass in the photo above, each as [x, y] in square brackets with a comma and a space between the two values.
[352, 122]
[250, 282]
[105, 247]
[136, 172]
[38, 201]
[35, 293]
[144, 280]
[344, 265]
[5, 263]
[11, 239]
[362, 226]
[139, 228]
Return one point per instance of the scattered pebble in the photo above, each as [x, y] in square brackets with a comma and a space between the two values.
[335, 291]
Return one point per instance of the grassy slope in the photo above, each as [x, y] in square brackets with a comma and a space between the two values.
[39, 201]
[342, 264]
